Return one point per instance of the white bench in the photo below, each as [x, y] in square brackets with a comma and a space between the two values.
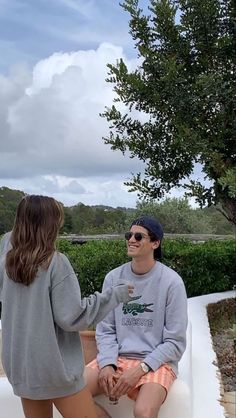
[178, 403]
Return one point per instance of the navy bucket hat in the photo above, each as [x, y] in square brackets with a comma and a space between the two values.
[155, 228]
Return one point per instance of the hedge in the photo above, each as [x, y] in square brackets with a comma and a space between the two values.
[207, 267]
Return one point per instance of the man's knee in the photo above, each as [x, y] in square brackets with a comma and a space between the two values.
[144, 411]
[149, 400]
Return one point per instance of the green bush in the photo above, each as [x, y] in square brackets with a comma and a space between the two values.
[205, 267]
[93, 260]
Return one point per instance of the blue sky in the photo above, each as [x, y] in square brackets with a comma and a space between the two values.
[32, 30]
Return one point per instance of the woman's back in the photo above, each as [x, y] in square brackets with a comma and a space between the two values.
[35, 349]
[43, 312]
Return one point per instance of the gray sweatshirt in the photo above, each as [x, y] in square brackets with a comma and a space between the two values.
[153, 326]
[41, 348]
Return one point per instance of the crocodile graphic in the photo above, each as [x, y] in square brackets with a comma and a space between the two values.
[136, 308]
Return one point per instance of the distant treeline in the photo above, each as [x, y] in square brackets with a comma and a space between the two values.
[176, 216]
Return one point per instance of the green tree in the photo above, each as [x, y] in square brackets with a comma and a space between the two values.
[82, 218]
[68, 222]
[9, 200]
[185, 84]
[176, 216]
[115, 220]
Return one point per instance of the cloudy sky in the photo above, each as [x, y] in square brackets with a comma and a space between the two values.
[53, 57]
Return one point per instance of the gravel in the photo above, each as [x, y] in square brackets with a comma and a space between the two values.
[222, 322]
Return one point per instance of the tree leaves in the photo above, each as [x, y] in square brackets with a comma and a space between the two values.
[186, 85]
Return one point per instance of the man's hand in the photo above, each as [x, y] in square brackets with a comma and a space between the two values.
[106, 379]
[126, 381]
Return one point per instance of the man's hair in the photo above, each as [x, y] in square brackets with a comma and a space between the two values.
[157, 253]
[37, 223]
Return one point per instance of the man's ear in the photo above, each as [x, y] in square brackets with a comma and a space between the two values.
[156, 244]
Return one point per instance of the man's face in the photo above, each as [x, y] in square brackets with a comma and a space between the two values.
[143, 248]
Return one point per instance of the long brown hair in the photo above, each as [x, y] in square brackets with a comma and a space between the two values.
[37, 223]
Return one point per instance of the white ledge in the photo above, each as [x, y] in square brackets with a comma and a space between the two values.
[206, 385]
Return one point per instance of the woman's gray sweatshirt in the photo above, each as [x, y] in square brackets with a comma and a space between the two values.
[41, 348]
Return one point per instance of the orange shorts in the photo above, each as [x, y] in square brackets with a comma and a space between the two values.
[164, 376]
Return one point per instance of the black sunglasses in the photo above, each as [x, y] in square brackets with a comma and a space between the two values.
[137, 235]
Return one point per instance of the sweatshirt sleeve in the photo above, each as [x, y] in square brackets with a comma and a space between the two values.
[174, 332]
[2, 266]
[106, 335]
[73, 313]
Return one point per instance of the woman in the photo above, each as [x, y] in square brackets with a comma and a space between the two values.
[42, 312]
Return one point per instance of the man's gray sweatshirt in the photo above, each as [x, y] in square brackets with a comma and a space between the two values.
[41, 348]
[153, 326]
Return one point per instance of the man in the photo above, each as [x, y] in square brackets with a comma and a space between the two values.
[140, 343]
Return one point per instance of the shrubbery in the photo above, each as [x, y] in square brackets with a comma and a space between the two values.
[205, 267]
[93, 260]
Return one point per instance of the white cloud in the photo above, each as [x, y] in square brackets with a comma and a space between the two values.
[91, 191]
[51, 128]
